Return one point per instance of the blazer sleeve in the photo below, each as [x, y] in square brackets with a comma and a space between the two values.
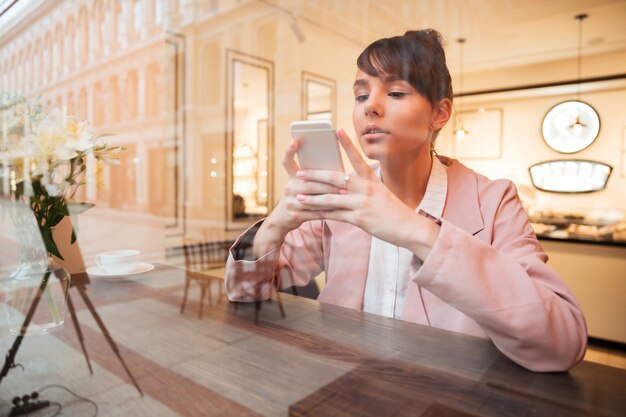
[508, 289]
[295, 262]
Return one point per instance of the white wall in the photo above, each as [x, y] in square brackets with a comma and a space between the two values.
[522, 142]
[522, 146]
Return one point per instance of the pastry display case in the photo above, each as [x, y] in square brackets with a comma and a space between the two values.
[607, 228]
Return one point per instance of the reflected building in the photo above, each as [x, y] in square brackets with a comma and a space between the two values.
[187, 88]
[201, 94]
[83, 58]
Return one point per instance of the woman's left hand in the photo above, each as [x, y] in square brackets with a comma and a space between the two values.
[366, 202]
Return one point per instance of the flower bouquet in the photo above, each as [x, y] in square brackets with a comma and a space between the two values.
[45, 159]
[45, 156]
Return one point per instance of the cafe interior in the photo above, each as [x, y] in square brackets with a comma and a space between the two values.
[180, 111]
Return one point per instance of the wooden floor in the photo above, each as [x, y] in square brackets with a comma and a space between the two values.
[614, 356]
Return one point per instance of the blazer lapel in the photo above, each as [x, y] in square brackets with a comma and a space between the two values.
[462, 204]
[347, 258]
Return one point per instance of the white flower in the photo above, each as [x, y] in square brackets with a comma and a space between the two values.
[52, 188]
[54, 146]
[82, 140]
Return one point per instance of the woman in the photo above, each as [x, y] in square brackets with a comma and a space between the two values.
[417, 236]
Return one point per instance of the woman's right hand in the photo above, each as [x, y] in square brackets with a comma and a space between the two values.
[289, 214]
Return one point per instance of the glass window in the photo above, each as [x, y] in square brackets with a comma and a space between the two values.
[250, 118]
[201, 94]
[137, 16]
[158, 12]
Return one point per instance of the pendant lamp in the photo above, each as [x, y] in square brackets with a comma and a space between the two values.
[460, 131]
[573, 125]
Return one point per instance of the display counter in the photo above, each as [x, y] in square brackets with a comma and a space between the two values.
[596, 274]
[579, 228]
[583, 239]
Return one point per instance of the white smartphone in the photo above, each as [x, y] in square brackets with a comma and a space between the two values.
[318, 147]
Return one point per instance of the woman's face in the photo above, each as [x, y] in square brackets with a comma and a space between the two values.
[390, 117]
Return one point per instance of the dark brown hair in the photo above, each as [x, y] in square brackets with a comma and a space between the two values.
[417, 57]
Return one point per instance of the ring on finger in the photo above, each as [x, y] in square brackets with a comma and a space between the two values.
[347, 180]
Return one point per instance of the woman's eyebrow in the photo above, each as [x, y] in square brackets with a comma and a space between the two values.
[360, 83]
[392, 78]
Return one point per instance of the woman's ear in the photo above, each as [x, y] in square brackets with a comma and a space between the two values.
[441, 113]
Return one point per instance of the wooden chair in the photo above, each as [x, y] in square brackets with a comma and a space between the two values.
[203, 261]
[311, 290]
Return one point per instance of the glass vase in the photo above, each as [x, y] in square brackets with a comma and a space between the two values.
[34, 298]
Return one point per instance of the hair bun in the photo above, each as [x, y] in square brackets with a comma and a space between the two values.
[426, 34]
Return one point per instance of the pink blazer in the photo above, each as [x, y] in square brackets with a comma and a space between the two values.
[486, 275]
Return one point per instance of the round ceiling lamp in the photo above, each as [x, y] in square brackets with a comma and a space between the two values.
[573, 125]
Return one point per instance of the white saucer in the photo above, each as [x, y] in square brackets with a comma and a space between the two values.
[141, 268]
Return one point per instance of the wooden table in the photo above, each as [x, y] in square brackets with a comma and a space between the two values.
[304, 359]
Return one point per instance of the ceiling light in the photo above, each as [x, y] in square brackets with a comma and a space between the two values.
[578, 126]
[570, 176]
[460, 133]
[297, 30]
[573, 125]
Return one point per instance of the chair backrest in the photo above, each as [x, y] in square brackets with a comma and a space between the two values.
[205, 255]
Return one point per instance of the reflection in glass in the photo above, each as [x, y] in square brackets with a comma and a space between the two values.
[249, 136]
[570, 176]
[319, 98]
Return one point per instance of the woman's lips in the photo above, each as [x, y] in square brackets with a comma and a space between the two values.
[373, 137]
[373, 133]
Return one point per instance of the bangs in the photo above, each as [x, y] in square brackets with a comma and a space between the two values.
[413, 58]
[380, 59]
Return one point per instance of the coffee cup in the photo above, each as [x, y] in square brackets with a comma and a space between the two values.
[121, 261]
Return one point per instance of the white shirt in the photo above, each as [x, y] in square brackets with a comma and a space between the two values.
[389, 265]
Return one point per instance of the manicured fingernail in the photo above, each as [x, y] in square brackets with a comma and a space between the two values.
[343, 191]
[300, 173]
[300, 197]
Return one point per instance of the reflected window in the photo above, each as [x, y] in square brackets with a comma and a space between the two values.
[137, 16]
[158, 13]
[318, 97]
[249, 137]
[570, 176]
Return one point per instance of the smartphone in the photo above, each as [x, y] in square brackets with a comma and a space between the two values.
[317, 146]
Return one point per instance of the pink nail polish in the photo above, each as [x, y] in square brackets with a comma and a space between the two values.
[300, 197]
[300, 173]
[343, 191]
